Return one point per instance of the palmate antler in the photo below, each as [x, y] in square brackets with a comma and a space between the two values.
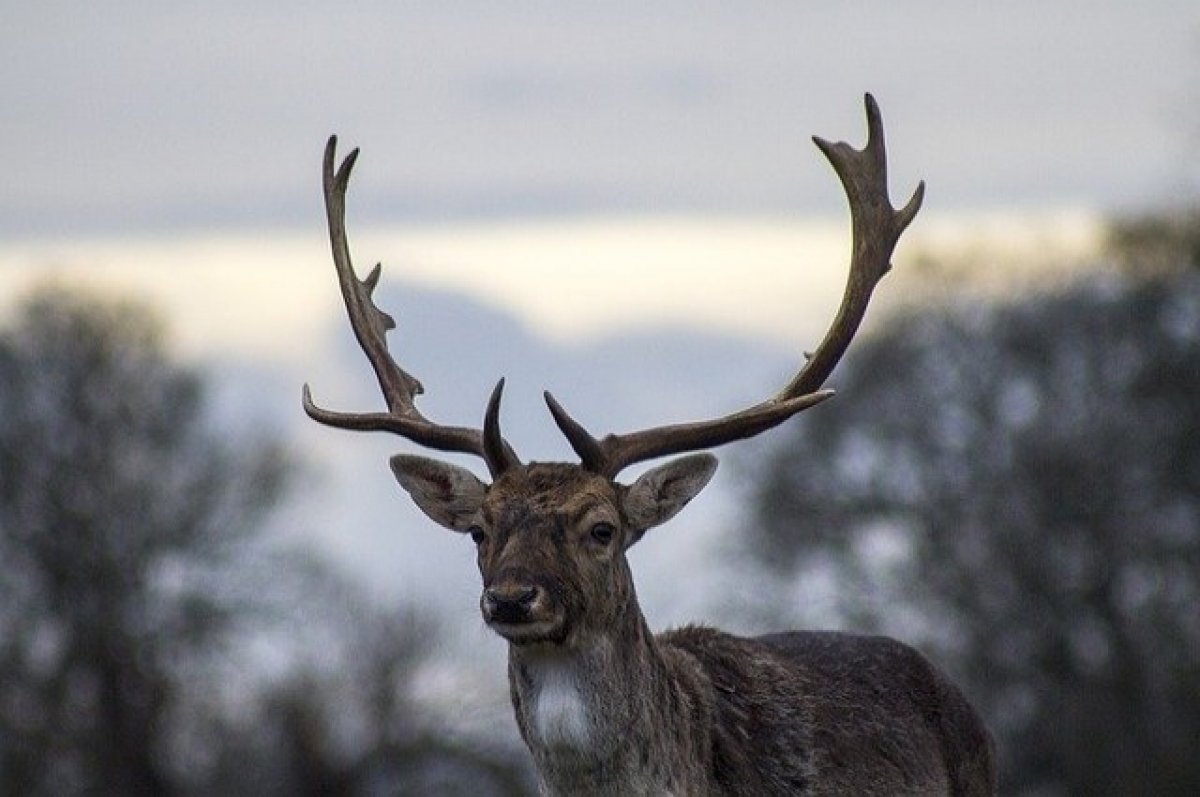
[876, 227]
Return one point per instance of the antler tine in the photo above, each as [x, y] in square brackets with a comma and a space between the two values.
[370, 326]
[876, 227]
[612, 454]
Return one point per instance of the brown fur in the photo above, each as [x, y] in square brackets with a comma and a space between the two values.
[606, 707]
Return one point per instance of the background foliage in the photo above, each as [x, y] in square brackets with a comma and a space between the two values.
[153, 640]
[1015, 486]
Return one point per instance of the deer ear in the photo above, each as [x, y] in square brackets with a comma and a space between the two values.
[451, 496]
[660, 493]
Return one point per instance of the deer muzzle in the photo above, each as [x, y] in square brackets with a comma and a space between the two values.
[520, 611]
[510, 603]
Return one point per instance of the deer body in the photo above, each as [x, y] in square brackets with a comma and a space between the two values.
[605, 706]
[699, 712]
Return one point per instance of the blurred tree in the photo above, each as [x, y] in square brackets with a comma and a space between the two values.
[136, 584]
[120, 513]
[1017, 489]
[1156, 242]
[344, 719]
[355, 730]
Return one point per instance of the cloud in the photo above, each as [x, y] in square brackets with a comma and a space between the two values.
[150, 117]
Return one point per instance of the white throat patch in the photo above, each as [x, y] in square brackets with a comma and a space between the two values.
[560, 713]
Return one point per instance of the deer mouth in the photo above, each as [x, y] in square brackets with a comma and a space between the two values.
[531, 632]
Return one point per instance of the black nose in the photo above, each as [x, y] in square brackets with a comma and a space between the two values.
[509, 602]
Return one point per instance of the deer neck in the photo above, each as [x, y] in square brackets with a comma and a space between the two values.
[606, 715]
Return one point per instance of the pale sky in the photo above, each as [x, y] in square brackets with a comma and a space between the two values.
[157, 117]
[570, 280]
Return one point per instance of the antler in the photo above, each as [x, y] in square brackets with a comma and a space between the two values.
[876, 227]
[370, 325]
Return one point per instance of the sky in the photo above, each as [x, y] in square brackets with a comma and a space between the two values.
[153, 117]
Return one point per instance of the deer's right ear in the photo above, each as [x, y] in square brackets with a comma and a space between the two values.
[451, 496]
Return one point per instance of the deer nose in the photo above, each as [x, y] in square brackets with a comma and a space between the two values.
[509, 602]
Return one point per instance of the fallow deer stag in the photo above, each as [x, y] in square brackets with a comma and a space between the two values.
[605, 706]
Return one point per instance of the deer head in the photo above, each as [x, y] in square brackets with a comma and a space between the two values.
[552, 537]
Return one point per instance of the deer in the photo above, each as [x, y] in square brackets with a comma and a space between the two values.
[605, 706]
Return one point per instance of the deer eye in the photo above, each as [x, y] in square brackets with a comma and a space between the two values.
[478, 535]
[603, 532]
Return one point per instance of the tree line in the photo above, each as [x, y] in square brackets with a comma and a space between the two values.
[137, 583]
[1014, 486]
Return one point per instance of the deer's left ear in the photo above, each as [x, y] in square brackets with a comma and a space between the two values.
[660, 493]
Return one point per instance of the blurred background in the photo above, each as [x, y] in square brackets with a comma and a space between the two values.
[202, 592]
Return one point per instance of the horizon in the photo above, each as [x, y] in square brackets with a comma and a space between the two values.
[567, 281]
